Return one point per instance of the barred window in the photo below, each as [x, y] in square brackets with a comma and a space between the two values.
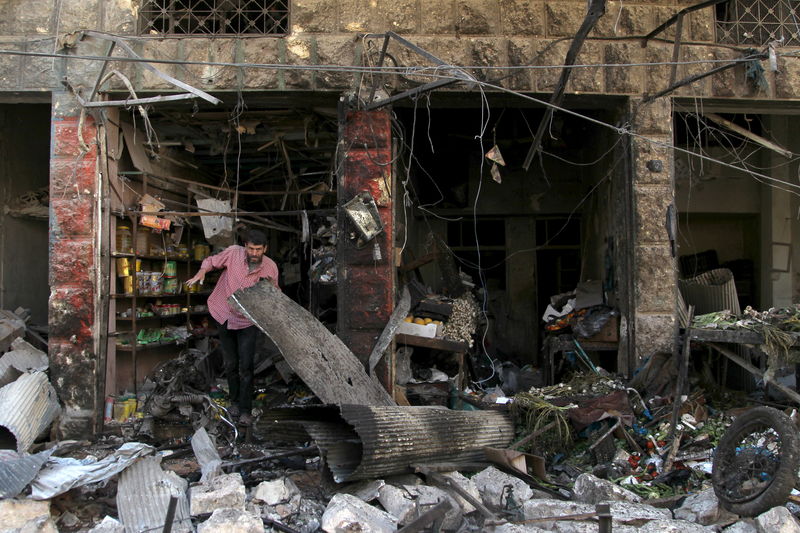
[758, 22]
[214, 17]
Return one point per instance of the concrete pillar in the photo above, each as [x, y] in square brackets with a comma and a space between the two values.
[366, 276]
[655, 269]
[71, 309]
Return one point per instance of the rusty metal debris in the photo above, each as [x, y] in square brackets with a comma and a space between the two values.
[27, 408]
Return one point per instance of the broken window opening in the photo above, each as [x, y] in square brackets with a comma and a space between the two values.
[214, 17]
[485, 259]
[758, 22]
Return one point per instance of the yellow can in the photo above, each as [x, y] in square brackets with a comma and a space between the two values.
[127, 284]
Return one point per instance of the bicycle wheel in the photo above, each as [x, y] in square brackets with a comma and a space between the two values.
[756, 462]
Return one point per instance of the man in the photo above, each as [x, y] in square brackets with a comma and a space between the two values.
[243, 267]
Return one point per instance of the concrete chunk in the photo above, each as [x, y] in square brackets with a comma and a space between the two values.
[743, 526]
[702, 508]
[673, 526]
[592, 489]
[467, 485]
[348, 513]
[409, 501]
[108, 525]
[495, 486]
[30, 515]
[224, 491]
[276, 491]
[637, 514]
[777, 520]
[232, 521]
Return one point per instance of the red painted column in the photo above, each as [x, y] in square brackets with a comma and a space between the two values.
[366, 277]
[73, 185]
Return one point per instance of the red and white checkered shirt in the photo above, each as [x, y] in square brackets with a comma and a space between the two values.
[237, 275]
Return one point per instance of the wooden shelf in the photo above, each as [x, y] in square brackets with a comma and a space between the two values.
[155, 257]
[204, 293]
[150, 346]
[178, 315]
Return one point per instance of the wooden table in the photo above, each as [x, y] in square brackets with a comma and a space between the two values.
[444, 345]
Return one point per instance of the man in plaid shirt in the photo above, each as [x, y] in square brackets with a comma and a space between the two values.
[243, 266]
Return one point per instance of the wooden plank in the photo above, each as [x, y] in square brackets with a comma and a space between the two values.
[318, 356]
[434, 344]
[766, 143]
[736, 336]
[755, 371]
[385, 339]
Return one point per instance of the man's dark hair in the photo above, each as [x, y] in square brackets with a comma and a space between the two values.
[254, 236]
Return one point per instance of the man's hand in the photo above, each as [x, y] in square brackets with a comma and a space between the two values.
[198, 278]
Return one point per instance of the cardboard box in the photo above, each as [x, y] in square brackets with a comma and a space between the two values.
[409, 328]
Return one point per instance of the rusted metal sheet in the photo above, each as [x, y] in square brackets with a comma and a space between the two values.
[22, 358]
[321, 360]
[27, 408]
[143, 496]
[367, 442]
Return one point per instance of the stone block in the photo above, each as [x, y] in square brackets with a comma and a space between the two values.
[335, 50]
[546, 78]
[10, 68]
[71, 217]
[622, 19]
[698, 58]
[486, 52]
[522, 18]
[656, 78]
[701, 25]
[223, 492]
[645, 151]
[71, 263]
[492, 485]
[277, 491]
[520, 53]
[209, 77]
[742, 526]
[478, 17]
[314, 16]
[348, 513]
[623, 80]
[563, 19]
[161, 49]
[587, 79]
[539, 508]
[299, 51]
[65, 138]
[32, 17]
[651, 205]
[30, 516]
[70, 178]
[467, 485]
[399, 16]
[71, 312]
[355, 16]
[672, 526]
[654, 333]
[655, 274]
[636, 514]
[39, 72]
[78, 15]
[262, 51]
[405, 503]
[232, 521]
[786, 85]
[593, 490]
[119, 17]
[438, 18]
[777, 520]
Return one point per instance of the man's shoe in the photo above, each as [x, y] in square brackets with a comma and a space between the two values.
[246, 419]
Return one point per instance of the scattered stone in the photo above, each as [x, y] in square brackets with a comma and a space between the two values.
[397, 503]
[31, 516]
[277, 491]
[742, 526]
[467, 485]
[592, 489]
[777, 520]
[232, 521]
[495, 487]
[637, 514]
[673, 526]
[516, 528]
[408, 502]
[702, 508]
[225, 490]
[108, 525]
[348, 513]
[365, 490]
[533, 509]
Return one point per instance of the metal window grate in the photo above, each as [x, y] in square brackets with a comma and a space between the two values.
[214, 17]
[758, 22]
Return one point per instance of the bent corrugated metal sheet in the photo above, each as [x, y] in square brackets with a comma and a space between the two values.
[27, 408]
[365, 442]
[143, 496]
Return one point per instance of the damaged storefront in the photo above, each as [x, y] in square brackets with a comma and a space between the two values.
[535, 261]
